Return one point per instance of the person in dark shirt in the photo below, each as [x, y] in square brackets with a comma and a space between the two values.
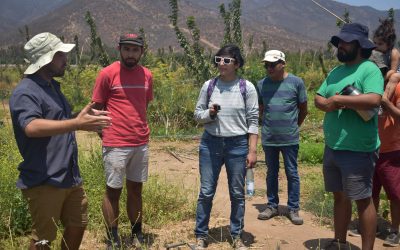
[44, 130]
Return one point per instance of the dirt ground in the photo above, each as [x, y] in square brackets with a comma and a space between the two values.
[277, 233]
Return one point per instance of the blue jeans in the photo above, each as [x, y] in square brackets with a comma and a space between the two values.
[289, 154]
[214, 152]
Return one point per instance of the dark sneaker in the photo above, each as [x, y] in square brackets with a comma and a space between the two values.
[113, 245]
[201, 243]
[268, 213]
[392, 240]
[238, 244]
[137, 239]
[295, 218]
[355, 232]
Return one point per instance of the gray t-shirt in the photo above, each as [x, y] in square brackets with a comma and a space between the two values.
[235, 117]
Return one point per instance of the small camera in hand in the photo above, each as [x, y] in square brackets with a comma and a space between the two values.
[217, 107]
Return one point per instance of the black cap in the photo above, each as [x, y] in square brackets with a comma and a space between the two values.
[131, 39]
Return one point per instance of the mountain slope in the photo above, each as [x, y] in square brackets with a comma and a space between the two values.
[283, 24]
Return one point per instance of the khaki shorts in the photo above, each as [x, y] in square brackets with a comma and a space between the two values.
[130, 161]
[48, 205]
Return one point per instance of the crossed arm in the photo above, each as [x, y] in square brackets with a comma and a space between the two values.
[335, 102]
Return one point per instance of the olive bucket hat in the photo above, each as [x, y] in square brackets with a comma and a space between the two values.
[40, 50]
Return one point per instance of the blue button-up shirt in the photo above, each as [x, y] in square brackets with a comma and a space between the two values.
[51, 160]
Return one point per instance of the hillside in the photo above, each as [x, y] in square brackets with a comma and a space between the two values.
[283, 24]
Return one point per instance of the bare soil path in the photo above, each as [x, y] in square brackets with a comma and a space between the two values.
[277, 233]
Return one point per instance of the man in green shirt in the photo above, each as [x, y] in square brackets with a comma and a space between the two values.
[351, 138]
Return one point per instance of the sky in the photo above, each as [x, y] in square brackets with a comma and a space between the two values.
[377, 4]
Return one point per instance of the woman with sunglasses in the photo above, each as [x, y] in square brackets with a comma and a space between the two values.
[228, 108]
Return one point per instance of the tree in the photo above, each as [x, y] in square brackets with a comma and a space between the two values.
[77, 55]
[97, 50]
[391, 15]
[196, 62]
[346, 19]
[232, 30]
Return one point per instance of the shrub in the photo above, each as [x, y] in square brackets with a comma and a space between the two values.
[314, 197]
[14, 216]
[163, 202]
[311, 152]
[77, 85]
[171, 111]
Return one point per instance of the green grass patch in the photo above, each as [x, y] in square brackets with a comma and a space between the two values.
[311, 152]
[314, 197]
[164, 202]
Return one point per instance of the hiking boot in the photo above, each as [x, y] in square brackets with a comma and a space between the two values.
[268, 213]
[334, 245]
[295, 218]
[392, 240]
[113, 245]
[201, 243]
[137, 239]
[238, 244]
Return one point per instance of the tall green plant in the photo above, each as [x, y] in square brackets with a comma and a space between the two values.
[14, 217]
[96, 46]
[145, 44]
[25, 33]
[76, 51]
[196, 61]
[346, 18]
[391, 14]
[232, 30]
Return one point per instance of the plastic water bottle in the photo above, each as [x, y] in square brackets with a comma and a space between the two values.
[250, 182]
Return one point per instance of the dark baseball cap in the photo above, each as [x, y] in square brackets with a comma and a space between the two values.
[131, 39]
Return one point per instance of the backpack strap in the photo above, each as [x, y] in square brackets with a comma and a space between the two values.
[213, 82]
[242, 86]
[210, 88]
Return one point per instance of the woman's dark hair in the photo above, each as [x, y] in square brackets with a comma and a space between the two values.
[233, 51]
[386, 32]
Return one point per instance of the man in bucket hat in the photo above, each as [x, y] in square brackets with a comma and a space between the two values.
[125, 88]
[351, 142]
[280, 91]
[44, 130]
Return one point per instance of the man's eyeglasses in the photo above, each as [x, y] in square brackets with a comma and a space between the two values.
[271, 65]
[226, 60]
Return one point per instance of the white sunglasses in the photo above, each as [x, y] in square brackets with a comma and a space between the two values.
[225, 60]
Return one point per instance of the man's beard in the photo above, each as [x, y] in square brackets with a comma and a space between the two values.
[57, 72]
[347, 56]
[129, 64]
